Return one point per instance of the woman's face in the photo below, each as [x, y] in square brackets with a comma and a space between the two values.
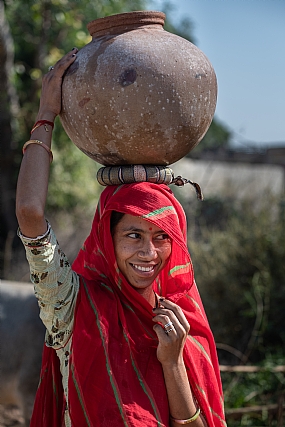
[141, 249]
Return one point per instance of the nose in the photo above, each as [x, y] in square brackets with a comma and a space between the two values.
[147, 251]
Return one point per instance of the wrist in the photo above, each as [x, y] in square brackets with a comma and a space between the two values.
[46, 115]
[175, 371]
[176, 365]
[188, 420]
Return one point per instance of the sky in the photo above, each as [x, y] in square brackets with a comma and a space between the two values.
[245, 42]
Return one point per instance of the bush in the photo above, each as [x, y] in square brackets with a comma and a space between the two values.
[238, 254]
[263, 390]
[239, 268]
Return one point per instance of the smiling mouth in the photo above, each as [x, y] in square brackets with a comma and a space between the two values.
[147, 269]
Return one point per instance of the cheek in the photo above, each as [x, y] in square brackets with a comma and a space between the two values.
[166, 251]
[122, 251]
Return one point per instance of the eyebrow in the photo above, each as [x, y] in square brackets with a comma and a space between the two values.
[139, 230]
[130, 228]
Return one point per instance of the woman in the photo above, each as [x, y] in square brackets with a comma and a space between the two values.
[127, 343]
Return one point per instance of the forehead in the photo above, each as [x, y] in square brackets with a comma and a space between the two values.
[131, 222]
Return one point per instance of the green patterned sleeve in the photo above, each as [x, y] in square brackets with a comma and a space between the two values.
[55, 285]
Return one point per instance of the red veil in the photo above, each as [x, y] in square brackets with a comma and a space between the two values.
[115, 378]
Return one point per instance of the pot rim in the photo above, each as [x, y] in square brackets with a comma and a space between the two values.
[127, 20]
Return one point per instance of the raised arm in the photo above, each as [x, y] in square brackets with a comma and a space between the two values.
[182, 405]
[33, 177]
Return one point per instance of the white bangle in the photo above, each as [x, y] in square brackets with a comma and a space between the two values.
[33, 239]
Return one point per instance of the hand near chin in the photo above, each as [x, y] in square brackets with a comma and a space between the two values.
[172, 329]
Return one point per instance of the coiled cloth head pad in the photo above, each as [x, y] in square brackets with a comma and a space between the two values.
[128, 174]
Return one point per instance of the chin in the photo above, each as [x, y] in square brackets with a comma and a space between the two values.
[141, 287]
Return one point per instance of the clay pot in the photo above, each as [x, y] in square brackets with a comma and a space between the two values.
[137, 94]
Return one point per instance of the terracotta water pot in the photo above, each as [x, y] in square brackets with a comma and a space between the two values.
[137, 94]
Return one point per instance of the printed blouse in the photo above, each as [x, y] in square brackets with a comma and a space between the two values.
[56, 288]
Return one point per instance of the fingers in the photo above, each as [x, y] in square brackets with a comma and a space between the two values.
[162, 336]
[50, 102]
[61, 66]
[169, 312]
[172, 329]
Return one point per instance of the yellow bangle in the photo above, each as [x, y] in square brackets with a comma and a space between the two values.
[190, 420]
[36, 141]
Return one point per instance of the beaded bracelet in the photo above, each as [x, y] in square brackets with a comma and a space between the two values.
[190, 420]
[36, 141]
[42, 123]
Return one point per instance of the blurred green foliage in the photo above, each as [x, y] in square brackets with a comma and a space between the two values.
[239, 267]
[251, 390]
[238, 254]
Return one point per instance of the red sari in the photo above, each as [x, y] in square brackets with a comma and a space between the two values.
[115, 378]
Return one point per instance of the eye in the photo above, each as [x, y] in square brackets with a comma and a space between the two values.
[134, 235]
[162, 236]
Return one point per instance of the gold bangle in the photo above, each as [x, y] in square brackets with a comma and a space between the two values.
[36, 141]
[190, 420]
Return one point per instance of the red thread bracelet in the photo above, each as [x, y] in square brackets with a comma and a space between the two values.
[42, 123]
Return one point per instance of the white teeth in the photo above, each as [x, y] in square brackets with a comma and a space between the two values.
[138, 267]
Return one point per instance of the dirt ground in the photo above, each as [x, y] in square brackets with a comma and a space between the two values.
[10, 417]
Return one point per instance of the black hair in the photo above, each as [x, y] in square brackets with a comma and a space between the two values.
[115, 219]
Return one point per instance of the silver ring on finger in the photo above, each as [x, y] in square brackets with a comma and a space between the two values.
[167, 331]
[51, 68]
[168, 324]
